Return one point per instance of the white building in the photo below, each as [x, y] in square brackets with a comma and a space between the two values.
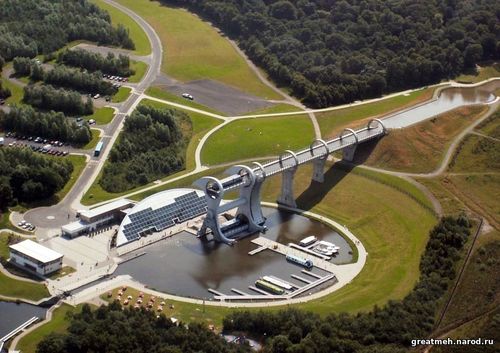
[91, 220]
[35, 257]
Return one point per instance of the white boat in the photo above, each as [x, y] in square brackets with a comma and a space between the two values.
[308, 241]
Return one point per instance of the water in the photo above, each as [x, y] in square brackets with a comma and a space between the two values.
[13, 315]
[449, 99]
[185, 266]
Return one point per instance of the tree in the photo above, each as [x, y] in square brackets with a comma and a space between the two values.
[473, 53]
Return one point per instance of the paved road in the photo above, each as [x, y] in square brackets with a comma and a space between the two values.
[50, 219]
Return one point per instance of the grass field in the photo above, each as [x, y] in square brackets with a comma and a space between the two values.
[140, 39]
[140, 69]
[484, 73]
[15, 90]
[491, 126]
[259, 137]
[332, 122]
[192, 49]
[103, 116]
[421, 147]
[277, 108]
[158, 92]
[477, 293]
[58, 324]
[477, 154]
[201, 124]
[121, 95]
[79, 163]
[96, 135]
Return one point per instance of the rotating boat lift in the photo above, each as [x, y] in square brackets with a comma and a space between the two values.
[248, 181]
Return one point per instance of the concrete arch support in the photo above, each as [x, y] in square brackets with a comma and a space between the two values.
[379, 123]
[351, 132]
[292, 155]
[319, 162]
[214, 191]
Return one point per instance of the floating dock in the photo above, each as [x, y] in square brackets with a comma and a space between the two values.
[213, 291]
[237, 291]
[258, 250]
[312, 274]
[301, 279]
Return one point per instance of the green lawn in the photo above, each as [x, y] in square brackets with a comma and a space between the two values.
[259, 137]
[20, 289]
[121, 95]
[103, 116]
[484, 73]
[331, 122]
[58, 324]
[192, 49]
[158, 92]
[96, 135]
[15, 90]
[140, 39]
[140, 69]
[79, 163]
[201, 124]
[277, 108]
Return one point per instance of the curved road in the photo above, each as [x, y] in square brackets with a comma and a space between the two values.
[52, 218]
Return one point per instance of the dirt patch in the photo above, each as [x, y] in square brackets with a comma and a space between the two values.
[216, 95]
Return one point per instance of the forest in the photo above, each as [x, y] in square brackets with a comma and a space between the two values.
[27, 176]
[64, 76]
[332, 52]
[32, 27]
[132, 162]
[90, 61]
[51, 125]
[388, 329]
[113, 330]
[59, 99]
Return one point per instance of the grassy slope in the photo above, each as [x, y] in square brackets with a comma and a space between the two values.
[491, 126]
[103, 116]
[484, 73]
[58, 324]
[331, 122]
[477, 154]
[142, 45]
[258, 137]
[140, 69]
[392, 227]
[201, 124]
[15, 90]
[194, 50]
[79, 163]
[419, 148]
[96, 135]
[478, 290]
[121, 95]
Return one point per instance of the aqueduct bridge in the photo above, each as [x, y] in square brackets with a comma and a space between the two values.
[249, 218]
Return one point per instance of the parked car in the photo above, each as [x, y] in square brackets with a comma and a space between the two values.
[187, 96]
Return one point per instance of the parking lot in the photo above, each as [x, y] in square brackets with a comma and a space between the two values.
[37, 144]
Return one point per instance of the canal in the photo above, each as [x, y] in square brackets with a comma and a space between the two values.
[184, 265]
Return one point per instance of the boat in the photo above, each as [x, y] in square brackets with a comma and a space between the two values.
[326, 248]
[328, 244]
[277, 282]
[308, 241]
[300, 261]
[269, 287]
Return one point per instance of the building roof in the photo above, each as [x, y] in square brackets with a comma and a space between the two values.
[74, 227]
[36, 251]
[106, 208]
